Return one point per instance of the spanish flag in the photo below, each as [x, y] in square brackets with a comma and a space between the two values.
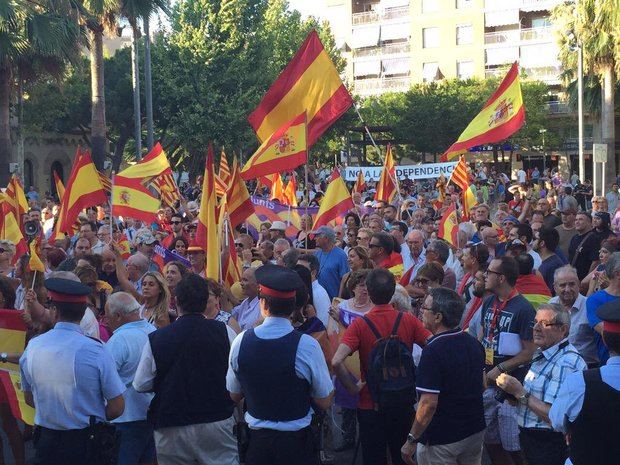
[60, 187]
[386, 187]
[207, 234]
[35, 263]
[337, 201]
[10, 230]
[309, 84]
[290, 193]
[277, 189]
[449, 226]
[238, 200]
[394, 264]
[360, 183]
[83, 190]
[501, 117]
[284, 150]
[534, 289]
[135, 190]
[17, 198]
[10, 381]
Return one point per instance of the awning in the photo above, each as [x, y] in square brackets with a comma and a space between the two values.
[367, 68]
[502, 55]
[501, 18]
[395, 31]
[367, 36]
[394, 3]
[392, 66]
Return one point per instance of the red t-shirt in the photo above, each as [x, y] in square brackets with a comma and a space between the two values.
[359, 337]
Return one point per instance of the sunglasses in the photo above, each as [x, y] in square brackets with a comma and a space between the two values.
[238, 245]
[175, 222]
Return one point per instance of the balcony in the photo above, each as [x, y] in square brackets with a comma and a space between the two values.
[384, 50]
[515, 36]
[366, 87]
[548, 75]
[369, 17]
[556, 107]
[525, 5]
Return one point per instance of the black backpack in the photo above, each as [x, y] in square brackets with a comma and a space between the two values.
[391, 371]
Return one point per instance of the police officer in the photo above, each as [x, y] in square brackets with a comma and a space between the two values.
[70, 380]
[281, 373]
[588, 404]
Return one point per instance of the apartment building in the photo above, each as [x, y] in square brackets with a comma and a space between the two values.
[390, 44]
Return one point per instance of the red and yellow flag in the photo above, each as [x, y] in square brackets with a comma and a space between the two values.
[207, 234]
[231, 265]
[284, 150]
[500, 117]
[239, 202]
[460, 174]
[386, 187]
[35, 263]
[106, 182]
[337, 201]
[224, 172]
[290, 193]
[137, 191]
[60, 187]
[449, 226]
[17, 199]
[10, 230]
[309, 84]
[277, 189]
[83, 190]
[360, 183]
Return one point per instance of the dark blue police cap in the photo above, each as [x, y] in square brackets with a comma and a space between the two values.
[278, 281]
[66, 290]
[610, 314]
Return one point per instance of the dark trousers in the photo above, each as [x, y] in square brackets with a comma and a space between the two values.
[543, 446]
[53, 447]
[136, 442]
[380, 431]
[349, 425]
[270, 447]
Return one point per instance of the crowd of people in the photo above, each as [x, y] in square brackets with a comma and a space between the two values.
[506, 344]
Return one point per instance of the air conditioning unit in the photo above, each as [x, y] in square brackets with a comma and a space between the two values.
[13, 167]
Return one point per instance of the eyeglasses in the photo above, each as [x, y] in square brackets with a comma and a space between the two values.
[175, 222]
[493, 271]
[238, 245]
[372, 246]
[546, 324]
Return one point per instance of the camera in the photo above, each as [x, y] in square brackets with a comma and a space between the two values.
[32, 229]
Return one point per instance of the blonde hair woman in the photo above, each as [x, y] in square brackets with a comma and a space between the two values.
[156, 299]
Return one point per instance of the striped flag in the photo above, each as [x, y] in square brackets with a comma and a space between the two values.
[106, 182]
[231, 265]
[35, 263]
[309, 84]
[9, 228]
[60, 187]
[501, 116]
[460, 177]
[360, 183]
[290, 192]
[207, 235]
[449, 226]
[238, 200]
[17, 198]
[224, 171]
[337, 201]
[386, 187]
[11, 382]
[277, 189]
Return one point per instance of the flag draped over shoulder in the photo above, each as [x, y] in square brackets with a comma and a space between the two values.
[83, 190]
[238, 200]
[501, 116]
[207, 234]
[337, 200]
[139, 190]
[310, 83]
[283, 150]
[386, 187]
[449, 226]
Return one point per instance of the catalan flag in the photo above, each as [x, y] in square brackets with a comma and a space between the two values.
[449, 226]
[17, 198]
[106, 182]
[277, 189]
[284, 150]
[460, 177]
[360, 183]
[387, 187]
[337, 201]
[137, 190]
[35, 263]
[60, 187]
[501, 116]
[224, 171]
[83, 190]
[207, 234]
[290, 192]
[238, 200]
[309, 84]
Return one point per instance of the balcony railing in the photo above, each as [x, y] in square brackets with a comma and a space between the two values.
[368, 17]
[556, 107]
[548, 75]
[499, 5]
[381, 85]
[388, 49]
[513, 36]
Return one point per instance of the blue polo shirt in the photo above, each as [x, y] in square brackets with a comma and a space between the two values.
[451, 366]
[333, 265]
[593, 302]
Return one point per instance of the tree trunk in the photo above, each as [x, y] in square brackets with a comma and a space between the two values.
[98, 122]
[119, 149]
[135, 75]
[608, 122]
[5, 124]
[148, 85]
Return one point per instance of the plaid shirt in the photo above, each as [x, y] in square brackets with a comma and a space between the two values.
[548, 371]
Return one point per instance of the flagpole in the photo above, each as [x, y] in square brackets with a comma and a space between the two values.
[111, 206]
[307, 189]
[34, 278]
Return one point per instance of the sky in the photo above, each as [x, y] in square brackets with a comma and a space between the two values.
[308, 7]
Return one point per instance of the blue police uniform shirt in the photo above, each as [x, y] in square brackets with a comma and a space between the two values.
[593, 302]
[70, 377]
[309, 364]
[333, 265]
[125, 347]
[569, 402]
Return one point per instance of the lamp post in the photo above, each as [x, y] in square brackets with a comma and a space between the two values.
[543, 131]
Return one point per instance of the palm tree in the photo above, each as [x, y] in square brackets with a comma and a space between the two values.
[133, 10]
[595, 26]
[35, 37]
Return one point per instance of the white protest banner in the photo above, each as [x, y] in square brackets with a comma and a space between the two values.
[423, 171]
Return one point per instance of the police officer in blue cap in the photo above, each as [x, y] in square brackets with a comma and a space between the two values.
[71, 381]
[282, 374]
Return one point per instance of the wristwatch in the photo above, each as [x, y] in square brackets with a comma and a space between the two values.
[4, 357]
[523, 398]
[411, 439]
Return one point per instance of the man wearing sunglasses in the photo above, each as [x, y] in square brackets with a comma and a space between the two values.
[176, 224]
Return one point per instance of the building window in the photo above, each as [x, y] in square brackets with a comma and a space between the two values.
[430, 6]
[541, 22]
[465, 69]
[430, 37]
[464, 34]
[463, 3]
[429, 71]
